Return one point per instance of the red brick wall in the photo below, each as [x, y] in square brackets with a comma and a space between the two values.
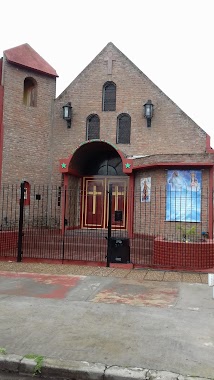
[171, 131]
[36, 138]
[27, 130]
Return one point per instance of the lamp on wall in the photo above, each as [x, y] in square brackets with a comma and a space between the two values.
[67, 109]
[148, 112]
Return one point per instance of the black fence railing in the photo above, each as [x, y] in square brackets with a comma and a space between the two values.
[168, 230]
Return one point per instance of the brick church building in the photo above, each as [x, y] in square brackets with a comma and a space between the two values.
[111, 126]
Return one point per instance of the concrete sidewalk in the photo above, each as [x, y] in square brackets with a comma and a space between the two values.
[123, 319]
[140, 274]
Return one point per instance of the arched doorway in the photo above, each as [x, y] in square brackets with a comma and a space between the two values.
[98, 165]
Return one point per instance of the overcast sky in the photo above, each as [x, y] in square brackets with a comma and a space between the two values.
[171, 41]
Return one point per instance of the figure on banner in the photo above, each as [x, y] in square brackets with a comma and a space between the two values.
[177, 181]
[193, 181]
[184, 195]
[145, 189]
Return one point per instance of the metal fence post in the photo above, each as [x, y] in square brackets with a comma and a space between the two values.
[109, 225]
[21, 218]
[64, 221]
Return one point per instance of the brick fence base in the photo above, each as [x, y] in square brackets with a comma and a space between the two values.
[184, 255]
[8, 240]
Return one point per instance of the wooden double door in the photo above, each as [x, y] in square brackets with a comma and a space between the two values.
[95, 202]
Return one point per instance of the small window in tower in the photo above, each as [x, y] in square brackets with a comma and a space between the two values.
[109, 96]
[30, 92]
[123, 129]
[93, 127]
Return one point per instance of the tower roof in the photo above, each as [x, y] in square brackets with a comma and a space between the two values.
[24, 55]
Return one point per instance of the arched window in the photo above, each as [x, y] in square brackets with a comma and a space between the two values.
[123, 129]
[109, 96]
[30, 92]
[92, 127]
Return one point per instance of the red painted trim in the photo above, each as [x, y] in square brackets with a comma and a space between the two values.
[54, 261]
[86, 263]
[73, 228]
[208, 147]
[131, 205]
[64, 203]
[8, 258]
[1, 118]
[175, 164]
[67, 170]
[82, 203]
[39, 260]
[211, 203]
[122, 266]
[27, 199]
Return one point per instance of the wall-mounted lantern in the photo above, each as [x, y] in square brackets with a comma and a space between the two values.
[148, 112]
[67, 110]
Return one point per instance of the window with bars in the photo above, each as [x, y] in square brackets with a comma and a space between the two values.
[109, 96]
[123, 129]
[93, 127]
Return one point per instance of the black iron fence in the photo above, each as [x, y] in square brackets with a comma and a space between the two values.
[166, 230]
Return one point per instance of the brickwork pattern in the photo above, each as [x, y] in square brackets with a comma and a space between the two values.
[27, 144]
[172, 131]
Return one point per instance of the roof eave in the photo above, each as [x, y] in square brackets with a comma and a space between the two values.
[32, 68]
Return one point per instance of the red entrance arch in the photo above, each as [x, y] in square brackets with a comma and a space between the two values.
[74, 165]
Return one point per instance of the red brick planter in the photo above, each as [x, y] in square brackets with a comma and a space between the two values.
[189, 255]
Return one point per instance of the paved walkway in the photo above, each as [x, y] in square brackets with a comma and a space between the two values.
[135, 274]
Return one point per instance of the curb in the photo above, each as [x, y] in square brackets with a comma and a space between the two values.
[80, 370]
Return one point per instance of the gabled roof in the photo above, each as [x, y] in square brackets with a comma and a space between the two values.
[24, 55]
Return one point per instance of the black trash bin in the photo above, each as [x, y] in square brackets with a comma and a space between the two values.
[119, 250]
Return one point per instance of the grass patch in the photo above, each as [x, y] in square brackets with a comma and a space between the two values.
[39, 361]
[3, 351]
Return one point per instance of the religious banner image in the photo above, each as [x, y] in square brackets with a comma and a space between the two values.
[183, 196]
[145, 185]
